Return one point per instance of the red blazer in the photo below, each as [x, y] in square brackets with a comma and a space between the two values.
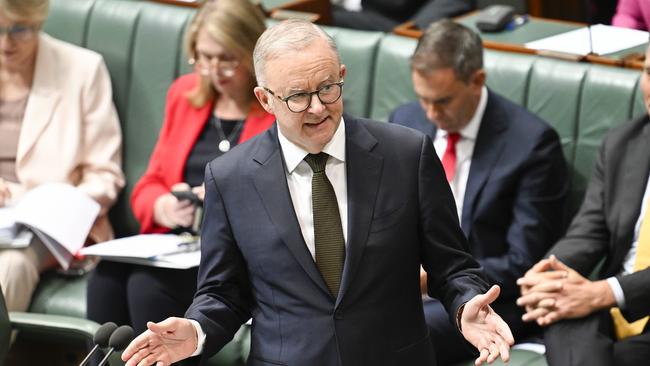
[181, 128]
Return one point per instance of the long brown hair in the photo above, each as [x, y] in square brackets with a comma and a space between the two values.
[234, 24]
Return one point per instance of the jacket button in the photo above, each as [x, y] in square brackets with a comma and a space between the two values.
[338, 314]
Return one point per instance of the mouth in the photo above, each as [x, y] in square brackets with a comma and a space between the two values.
[316, 123]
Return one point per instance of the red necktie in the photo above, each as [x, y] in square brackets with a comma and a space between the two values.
[449, 157]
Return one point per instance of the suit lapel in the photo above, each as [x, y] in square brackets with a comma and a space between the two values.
[635, 177]
[271, 184]
[487, 148]
[363, 170]
[42, 101]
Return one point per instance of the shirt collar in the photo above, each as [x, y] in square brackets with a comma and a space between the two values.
[293, 154]
[470, 131]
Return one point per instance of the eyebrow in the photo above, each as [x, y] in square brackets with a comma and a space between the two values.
[324, 82]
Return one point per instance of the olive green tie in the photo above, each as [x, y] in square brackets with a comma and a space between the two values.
[328, 232]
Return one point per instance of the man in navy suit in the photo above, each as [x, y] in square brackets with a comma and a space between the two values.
[505, 167]
[317, 230]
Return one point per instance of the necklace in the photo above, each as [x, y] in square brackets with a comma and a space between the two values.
[225, 141]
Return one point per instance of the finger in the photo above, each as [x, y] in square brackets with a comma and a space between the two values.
[141, 341]
[546, 303]
[488, 297]
[549, 286]
[483, 356]
[182, 186]
[166, 326]
[538, 278]
[504, 350]
[536, 314]
[494, 353]
[503, 330]
[558, 265]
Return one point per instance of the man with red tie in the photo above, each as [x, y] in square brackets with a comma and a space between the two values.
[504, 165]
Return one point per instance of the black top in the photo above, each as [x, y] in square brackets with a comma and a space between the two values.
[206, 147]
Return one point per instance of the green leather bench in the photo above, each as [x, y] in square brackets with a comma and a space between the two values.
[142, 44]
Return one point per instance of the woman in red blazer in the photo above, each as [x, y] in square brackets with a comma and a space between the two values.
[207, 113]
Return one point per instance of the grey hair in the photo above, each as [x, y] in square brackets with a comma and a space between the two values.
[288, 35]
[446, 44]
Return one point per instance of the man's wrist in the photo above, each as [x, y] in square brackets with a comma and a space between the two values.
[459, 316]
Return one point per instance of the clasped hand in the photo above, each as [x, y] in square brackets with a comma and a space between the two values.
[552, 291]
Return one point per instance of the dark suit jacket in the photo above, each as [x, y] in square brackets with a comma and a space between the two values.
[604, 226]
[384, 15]
[516, 189]
[255, 261]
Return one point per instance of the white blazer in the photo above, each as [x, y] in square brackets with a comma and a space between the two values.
[70, 132]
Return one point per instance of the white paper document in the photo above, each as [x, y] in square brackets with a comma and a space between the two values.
[59, 214]
[158, 250]
[603, 40]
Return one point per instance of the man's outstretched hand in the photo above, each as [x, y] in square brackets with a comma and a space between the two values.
[485, 329]
[162, 344]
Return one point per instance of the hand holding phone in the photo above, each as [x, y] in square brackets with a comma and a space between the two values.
[188, 196]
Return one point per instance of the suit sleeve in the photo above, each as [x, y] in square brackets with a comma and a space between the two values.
[587, 239]
[224, 299]
[102, 177]
[453, 276]
[537, 222]
[434, 10]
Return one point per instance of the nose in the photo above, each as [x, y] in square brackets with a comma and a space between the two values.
[315, 105]
[433, 111]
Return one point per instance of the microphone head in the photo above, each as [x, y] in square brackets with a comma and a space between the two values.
[103, 334]
[121, 338]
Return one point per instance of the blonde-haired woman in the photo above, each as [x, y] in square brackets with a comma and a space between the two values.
[57, 124]
[208, 112]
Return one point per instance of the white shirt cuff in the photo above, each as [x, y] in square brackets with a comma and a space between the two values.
[618, 291]
[200, 336]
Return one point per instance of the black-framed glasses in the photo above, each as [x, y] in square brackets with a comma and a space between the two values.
[299, 102]
[19, 32]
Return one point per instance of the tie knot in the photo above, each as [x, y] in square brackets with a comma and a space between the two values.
[317, 161]
[453, 138]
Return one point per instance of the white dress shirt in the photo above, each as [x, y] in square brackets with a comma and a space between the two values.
[299, 176]
[628, 262]
[464, 151]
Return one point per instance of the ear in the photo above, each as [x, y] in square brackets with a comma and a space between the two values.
[342, 72]
[478, 80]
[263, 97]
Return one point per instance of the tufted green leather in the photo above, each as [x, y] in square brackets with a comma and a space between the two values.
[142, 44]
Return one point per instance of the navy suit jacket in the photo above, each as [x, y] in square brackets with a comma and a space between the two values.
[254, 261]
[604, 225]
[516, 190]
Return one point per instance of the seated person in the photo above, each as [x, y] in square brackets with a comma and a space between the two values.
[632, 14]
[57, 124]
[505, 167]
[384, 15]
[208, 112]
[586, 322]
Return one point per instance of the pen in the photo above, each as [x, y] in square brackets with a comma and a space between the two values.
[184, 247]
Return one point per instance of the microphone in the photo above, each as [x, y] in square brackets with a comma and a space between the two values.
[100, 339]
[118, 341]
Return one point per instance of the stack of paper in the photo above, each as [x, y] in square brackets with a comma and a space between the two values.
[598, 39]
[158, 250]
[59, 214]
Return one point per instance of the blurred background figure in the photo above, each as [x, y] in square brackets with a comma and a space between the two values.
[632, 14]
[384, 15]
[57, 124]
[207, 113]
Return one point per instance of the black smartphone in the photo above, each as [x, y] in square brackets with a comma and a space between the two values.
[187, 196]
